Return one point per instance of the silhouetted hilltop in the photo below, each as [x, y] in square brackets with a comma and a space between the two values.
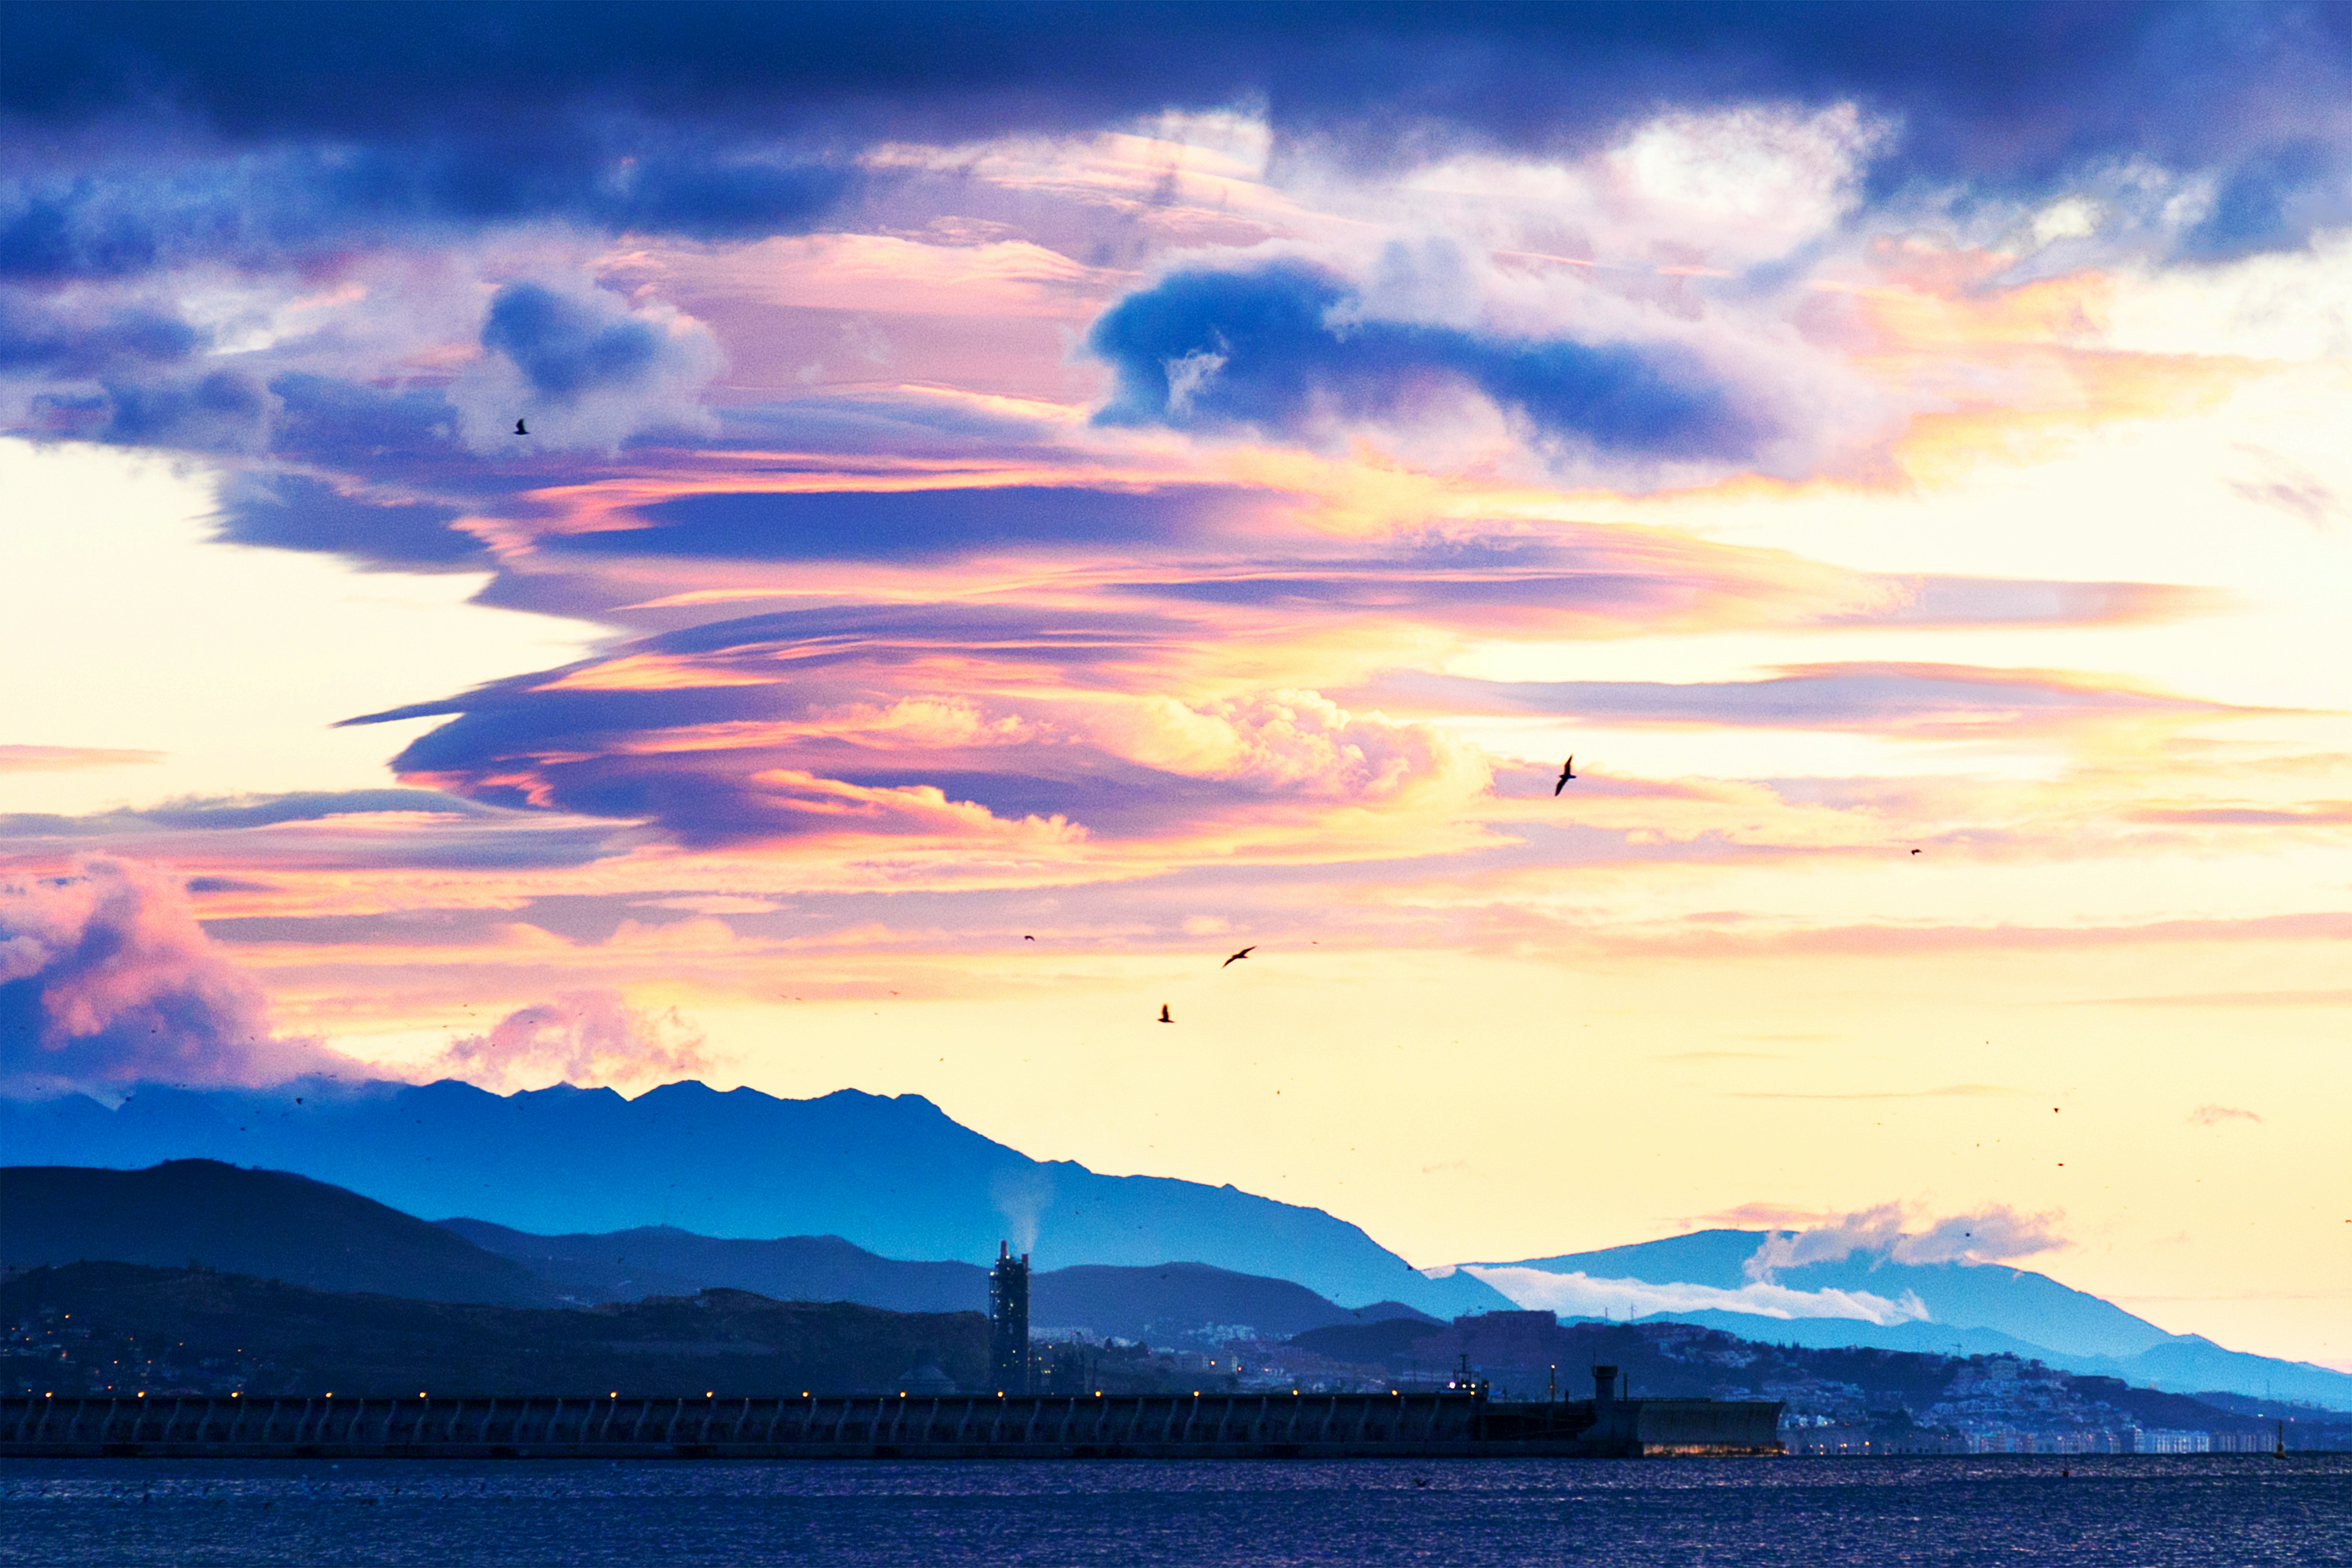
[1177, 1302]
[265, 1223]
[133, 1328]
[893, 1175]
[1163, 1303]
[662, 1261]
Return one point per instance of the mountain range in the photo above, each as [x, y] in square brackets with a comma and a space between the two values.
[271, 1225]
[893, 1175]
[685, 1189]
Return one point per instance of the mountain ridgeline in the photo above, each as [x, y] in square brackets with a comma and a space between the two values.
[268, 1225]
[892, 1175]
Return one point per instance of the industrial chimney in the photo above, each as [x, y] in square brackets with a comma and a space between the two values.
[1008, 1321]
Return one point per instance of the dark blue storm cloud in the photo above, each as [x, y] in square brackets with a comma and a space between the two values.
[908, 525]
[167, 207]
[479, 112]
[293, 511]
[1280, 350]
[47, 341]
[226, 411]
[565, 348]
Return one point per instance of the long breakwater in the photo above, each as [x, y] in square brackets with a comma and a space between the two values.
[884, 1427]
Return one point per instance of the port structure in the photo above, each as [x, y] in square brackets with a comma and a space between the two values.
[1008, 1322]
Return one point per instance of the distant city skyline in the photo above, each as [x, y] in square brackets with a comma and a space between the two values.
[874, 547]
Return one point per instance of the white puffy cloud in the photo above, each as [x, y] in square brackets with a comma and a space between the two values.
[1582, 1295]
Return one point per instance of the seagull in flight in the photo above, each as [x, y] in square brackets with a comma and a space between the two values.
[1566, 772]
[519, 430]
[1243, 953]
[1163, 1014]
[1028, 938]
[1915, 851]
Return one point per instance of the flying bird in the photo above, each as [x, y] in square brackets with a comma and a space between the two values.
[1243, 953]
[1915, 851]
[1163, 1014]
[1025, 937]
[519, 428]
[1566, 772]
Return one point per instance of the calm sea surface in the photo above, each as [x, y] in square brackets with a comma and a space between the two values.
[2209, 1511]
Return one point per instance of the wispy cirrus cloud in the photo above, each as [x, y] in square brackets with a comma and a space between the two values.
[59, 758]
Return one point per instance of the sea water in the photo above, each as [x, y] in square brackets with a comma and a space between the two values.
[2142, 1513]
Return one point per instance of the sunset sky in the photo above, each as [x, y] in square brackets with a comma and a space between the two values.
[1022, 502]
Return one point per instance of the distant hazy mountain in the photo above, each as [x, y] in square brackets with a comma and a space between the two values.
[892, 1175]
[1973, 1309]
[1959, 1295]
[662, 1261]
[1164, 1303]
[1172, 1302]
[262, 1223]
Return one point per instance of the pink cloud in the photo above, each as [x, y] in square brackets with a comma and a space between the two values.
[106, 979]
[1892, 1232]
[60, 759]
[582, 1036]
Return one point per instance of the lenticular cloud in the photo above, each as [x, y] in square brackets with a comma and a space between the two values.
[107, 980]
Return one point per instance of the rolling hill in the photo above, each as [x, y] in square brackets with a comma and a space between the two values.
[263, 1223]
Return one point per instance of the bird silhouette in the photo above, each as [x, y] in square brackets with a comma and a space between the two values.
[1915, 851]
[1163, 1014]
[519, 430]
[1566, 772]
[1028, 938]
[1243, 953]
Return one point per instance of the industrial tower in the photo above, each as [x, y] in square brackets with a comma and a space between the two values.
[1008, 1321]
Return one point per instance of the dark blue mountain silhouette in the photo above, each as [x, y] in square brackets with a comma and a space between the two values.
[1163, 1303]
[893, 1175]
[266, 1224]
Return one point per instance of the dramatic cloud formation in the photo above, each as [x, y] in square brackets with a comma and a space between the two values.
[1288, 350]
[1018, 497]
[592, 370]
[106, 980]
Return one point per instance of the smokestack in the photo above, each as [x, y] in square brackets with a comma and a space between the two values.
[1008, 1321]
